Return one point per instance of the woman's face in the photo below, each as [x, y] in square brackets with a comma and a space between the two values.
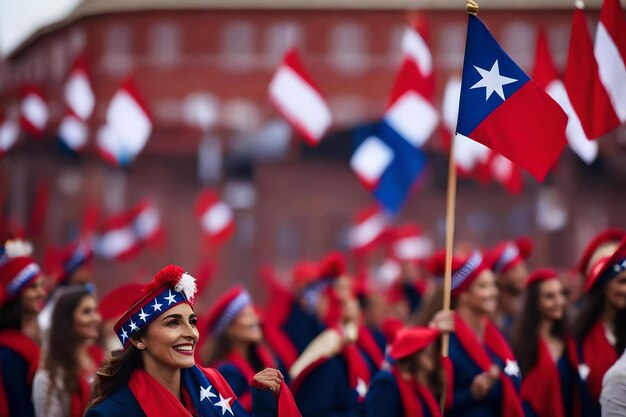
[171, 338]
[615, 291]
[482, 294]
[87, 319]
[246, 327]
[34, 297]
[551, 300]
[426, 359]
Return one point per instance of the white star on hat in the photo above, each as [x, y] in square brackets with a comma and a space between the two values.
[206, 392]
[156, 306]
[511, 368]
[224, 403]
[171, 298]
[492, 81]
[124, 335]
[133, 326]
[143, 315]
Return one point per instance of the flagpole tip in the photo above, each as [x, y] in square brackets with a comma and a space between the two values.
[472, 7]
[580, 4]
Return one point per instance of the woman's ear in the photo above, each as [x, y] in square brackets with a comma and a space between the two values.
[139, 344]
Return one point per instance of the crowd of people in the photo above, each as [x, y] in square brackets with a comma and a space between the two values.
[330, 342]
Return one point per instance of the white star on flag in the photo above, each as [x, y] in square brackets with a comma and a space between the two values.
[492, 81]
[361, 387]
[124, 335]
[143, 315]
[511, 368]
[224, 403]
[171, 298]
[133, 326]
[156, 306]
[206, 392]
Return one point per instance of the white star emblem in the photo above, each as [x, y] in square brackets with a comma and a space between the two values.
[156, 306]
[361, 388]
[583, 371]
[492, 81]
[171, 298]
[224, 403]
[133, 326]
[124, 336]
[511, 368]
[143, 315]
[206, 392]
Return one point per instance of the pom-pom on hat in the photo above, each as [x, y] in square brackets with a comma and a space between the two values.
[17, 270]
[541, 275]
[465, 269]
[607, 268]
[410, 340]
[226, 309]
[604, 238]
[116, 302]
[510, 253]
[170, 287]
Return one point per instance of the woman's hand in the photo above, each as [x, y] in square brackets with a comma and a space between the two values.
[269, 379]
[444, 321]
[482, 383]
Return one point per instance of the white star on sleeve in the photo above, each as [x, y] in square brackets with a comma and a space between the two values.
[224, 404]
[511, 368]
[170, 298]
[206, 392]
[361, 387]
[156, 306]
[143, 315]
[492, 81]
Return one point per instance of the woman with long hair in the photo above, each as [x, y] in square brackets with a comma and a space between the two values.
[547, 354]
[22, 297]
[483, 370]
[601, 325]
[156, 374]
[62, 385]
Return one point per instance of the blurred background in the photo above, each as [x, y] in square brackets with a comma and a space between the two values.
[202, 69]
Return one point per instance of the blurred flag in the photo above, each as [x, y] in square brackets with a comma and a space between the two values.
[415, 48]
[33, 110]
[407, 243]
[9, 132]
[546, 76]
[296, 97]
[73, 132]
[147, 223]
[502, 108]
[369, 226]
[582, 82]
[610, 53]
[215, 217]
[80, 100]
[128, 126]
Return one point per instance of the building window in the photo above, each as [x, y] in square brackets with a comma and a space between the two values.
[118, 49]
[238, 42]
[348, 48]
[279, 38]
[165, 43]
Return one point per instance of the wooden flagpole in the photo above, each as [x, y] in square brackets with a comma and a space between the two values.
[472, 8]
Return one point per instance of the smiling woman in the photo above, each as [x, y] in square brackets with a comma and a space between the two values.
[156, 374]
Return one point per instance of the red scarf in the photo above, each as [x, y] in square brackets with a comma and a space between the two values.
[25, 347]
[511, 403]
[541, 386]
[80, 398]
[366, 342]
[411, 392]
[248, 372]
[358, 370]
[599, 354]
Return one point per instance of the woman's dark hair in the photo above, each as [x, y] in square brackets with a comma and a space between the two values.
[60, 357]
[411, 365]
[115, 372]
[591, 312]
[11, 315]
[525, 334]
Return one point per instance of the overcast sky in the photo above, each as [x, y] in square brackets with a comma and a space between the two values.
[20, 18]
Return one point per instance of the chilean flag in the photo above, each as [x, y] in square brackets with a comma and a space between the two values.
[502, 108]
[216, 217]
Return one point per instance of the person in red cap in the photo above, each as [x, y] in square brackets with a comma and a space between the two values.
[112, 307]
[548, 357]
[601, 325]
[509, 265]
[483, 370]
[21, 298]
[62, 385]
[156, 374]
[238, 350]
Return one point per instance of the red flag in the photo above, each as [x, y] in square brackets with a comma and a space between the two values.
[215, 217]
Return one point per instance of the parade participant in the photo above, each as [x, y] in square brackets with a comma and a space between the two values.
[551, 384]
[509, 265]
[62, 385]
[405, 387]
[601, 325]
[156, 374]
[21, 298]
[238, 350]
[614, 389]
[602, 245]
[112, 307]
[482, 370]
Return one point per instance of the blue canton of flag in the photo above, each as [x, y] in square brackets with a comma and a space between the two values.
[386, 163]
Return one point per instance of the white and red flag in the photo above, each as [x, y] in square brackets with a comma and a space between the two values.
[368, 229]
[80, 101]
[128, 126]
[33, 110]
[216, 218]
[408, 243]
[9, 131]
[297, 98]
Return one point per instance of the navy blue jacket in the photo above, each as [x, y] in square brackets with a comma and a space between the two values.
[18, 393]
[383, 398]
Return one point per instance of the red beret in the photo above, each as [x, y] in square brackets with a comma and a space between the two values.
[16, 274]
[510, 253]
[304, 273]
[607, 236]
[333, 265]
[410, 340]
[544, 274]
[465, 269]
[606, 268]
[226, 308]
[116, 302]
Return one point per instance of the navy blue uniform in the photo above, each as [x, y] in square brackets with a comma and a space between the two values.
[383, 398]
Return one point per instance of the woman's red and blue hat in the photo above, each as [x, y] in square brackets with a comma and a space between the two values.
[170, 287]
[607, 268]
[226, 308]
[464, 269]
